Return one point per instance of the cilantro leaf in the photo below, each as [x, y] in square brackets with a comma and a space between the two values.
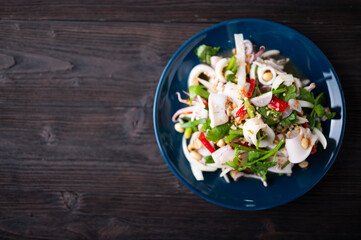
[261, 168]
[319, 110]
[272, 117]
[218, 132]
[204, 52]
[306, 95]
[206, 125]
[290, 93]
[290, 120]
[197, 90]
[253, 155]
[209, 159]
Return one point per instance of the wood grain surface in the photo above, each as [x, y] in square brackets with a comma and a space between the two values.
[78, 156]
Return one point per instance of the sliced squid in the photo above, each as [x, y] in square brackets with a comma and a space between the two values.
[233, 91]
[294, 148]
[241, 59]
[217, 109]
[251, 128]
[220, 66]
[214, 61]
[270, 53]
[198, 70]
[262, 70]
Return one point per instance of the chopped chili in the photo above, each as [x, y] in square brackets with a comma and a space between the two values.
[206, 143]
[277, 104]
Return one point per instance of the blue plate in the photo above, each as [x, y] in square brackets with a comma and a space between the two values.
[249, 194]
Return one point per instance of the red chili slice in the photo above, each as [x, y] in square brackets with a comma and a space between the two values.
[206, 143]
[277, 104]
[241, 112]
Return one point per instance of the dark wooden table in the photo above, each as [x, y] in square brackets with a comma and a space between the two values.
[78, 156]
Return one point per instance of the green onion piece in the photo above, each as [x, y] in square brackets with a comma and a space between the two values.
[194, 123]
[243, 148]
[188, 132]
[280, 90]
[231, 137]
[238, 131]
[284, 165]
[231, 63]
[209, 159]
[271, 152]
[250, 109]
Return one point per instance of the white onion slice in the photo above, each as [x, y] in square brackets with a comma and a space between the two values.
[270, 53]
[287, 112]
[305, 104]
[251, 128]
[223, 155]
[225, 170]
[197, 173]
[217, 109]
[288, 78]
[320, 137]
[262, 100]
[294, 148]
[195, 163]
[221, 64]
[301, 120]
[260, 72]
[198, 70]
[295, 105]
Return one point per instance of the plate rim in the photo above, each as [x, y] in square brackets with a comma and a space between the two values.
[206, 197]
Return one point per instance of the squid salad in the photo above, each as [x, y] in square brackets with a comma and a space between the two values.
[246, 115]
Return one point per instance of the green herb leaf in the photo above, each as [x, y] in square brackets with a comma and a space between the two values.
[306, 95]
[204, 52]
[290, 93]
[319, 110]
[253, 155]
[206, 125]
[330, 115]
[209, 159]
[218, 132]
[272, 117]
[194, 123]
[197, 90]
[231, 63]
[231, 137]
[261, 168]
[290, 120]
[236, 131]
